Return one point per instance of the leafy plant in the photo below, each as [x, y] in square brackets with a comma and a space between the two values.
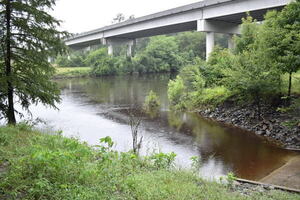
[230, 178]
[196, 163]
[152, 104]
[163, 160]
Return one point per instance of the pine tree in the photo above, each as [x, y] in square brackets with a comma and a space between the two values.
[28, 38]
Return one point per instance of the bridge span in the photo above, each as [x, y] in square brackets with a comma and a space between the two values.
[209, 16]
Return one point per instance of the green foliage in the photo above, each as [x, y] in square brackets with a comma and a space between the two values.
[220, 61]
[250, 30]
[42, 166]
[188, 91]
[62, 61]
[211, 97]
[163, 160]
[281, 38]
[230, 178]
[192, 78]
[74, 59]
[105, 67]
[196, 163]
[153, 55]
[77, 59]
[28, 38]
[94, 58]
[160, 55]
[192, 42]
[69, 72]
[252, 79]
[176, 93]
[152, 103]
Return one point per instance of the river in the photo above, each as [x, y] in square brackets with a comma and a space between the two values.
[92, 108]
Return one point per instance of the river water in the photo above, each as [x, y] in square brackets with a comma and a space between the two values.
[92, 108]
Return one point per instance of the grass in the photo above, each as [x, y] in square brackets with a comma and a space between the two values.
[69, 72]
[40, 166]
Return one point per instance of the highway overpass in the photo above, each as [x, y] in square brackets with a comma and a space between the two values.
[209, 16]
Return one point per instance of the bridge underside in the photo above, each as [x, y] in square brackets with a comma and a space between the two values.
[175, 28]
[210, 16]
[237, 18]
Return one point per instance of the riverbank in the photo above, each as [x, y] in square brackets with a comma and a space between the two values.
[273, 124]
[40, 166]
[71, 72]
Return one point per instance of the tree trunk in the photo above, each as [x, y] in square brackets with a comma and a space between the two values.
[290, 84]
[8, 71]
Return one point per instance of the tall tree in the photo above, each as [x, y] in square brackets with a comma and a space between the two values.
[28, 38]
[281, 37]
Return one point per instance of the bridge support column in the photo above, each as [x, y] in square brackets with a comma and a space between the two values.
[230, 41]
[210, 43]
[110, 50]
[215, 26]
[130, 48]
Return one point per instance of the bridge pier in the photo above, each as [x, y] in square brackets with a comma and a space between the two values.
[110, 49]
[210, 27]
[130, 48]
[130, 43]
[210, 43]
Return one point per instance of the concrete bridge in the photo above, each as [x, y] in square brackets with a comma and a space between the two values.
[209, 16]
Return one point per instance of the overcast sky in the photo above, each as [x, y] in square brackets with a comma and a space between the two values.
[85, 15]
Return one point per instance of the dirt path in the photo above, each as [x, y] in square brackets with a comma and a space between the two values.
[288, 175]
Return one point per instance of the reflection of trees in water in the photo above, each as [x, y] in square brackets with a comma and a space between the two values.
[247, 155]
[240, 151]
[123, 90]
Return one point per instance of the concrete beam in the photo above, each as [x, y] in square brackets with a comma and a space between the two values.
[241, 6]
[204, 25]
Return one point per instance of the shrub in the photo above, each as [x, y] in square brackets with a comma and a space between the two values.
[151, 102]
[105, 67]
[95, 58]
[211, 96]
[176, 93]
[160, 55]
[192, 78]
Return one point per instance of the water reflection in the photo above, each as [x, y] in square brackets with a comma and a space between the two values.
[95, 108]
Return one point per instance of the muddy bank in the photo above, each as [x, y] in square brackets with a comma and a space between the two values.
[270, 125]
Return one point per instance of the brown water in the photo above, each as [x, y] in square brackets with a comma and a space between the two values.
[93, 108]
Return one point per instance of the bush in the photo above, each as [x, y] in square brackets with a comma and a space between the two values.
[182, 90]
[75, 59]
[215, 70]
[161, 55]
[176, 93]
[192, 78]
[105, 67]
[151, 102]
[211, 96]
[94, 58]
